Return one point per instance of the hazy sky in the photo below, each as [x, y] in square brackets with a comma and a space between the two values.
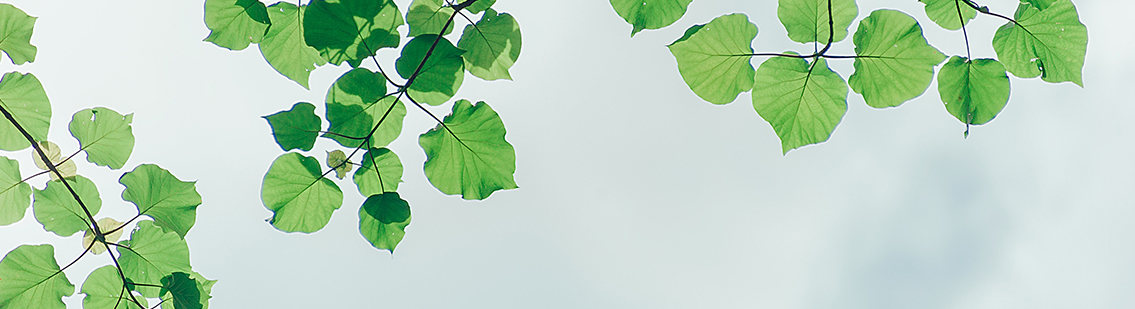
[634, 193]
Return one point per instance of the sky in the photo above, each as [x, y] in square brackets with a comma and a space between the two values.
[634, 193]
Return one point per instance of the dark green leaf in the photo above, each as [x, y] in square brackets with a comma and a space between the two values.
[1050, 43]
[440, 76]
[233, 24]
[428, 16]
[172, 203]
[356, 103]
[1041, 4]
[23, 96]
[650, 14]
[204, 288]
[468, 154]
[15, 194]
[284, 47]
[714, 58]
[807, 20]
[387, 176]
[945, 13]
[57, 209]
[480, 5]
[351, 30]
[105, 135]
[491, 46]
[295, 128]
[300, 198]
[802, 101]
[104, 290]
[183, 291]
[16, 34]
[153, 253]
[895, 64]
[383, 220]
[30, 278]
[974, 91]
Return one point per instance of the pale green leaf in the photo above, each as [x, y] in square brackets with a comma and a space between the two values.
[152, 253]
[56, 209]
[802, 101]
[172, 203]
[974, 91]
[337, 160]
[1050, 43]
[233, 24]
[284, 47]
[105, 135]
[15, 194]
[30, 278]
[385, 178]
[300, 198]
[441, 74]
[104, 290]
[296, 128]
[16, 34]
[64, 166]
[351, 30]
[112, 231]
[650, 14]
[949, 14]
[383, 219]
[467, 154]
[714, 58]
[491, 46]
[356, 104]
[895, 63]
[807, 20]
[428, 16]
[22, 95]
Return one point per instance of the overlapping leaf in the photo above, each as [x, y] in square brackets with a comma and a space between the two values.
[949, 14]
[172, 203]
[182, 291]
[234, 24]
[1050, 43]
[1041, 4]
[974, 91]
[103, 289]
[480, 5]
[112, 231]
[284, 47]
[807, 20]
[337, 160]
[383, 219]
[491, 46]
[16, 34]
[370, 181]
[356, 103]
[105, 135]
[65, 166]
[30, 278]
[56, 209]
[22, 95]
[895, 63]
[351, 30]
[650, 14]
[439, 77]
[15, 194]
[295, 128]
[467, 154]
[428, 17]
[151, 254]
[714, 58]
[802, 101]
[299, 197]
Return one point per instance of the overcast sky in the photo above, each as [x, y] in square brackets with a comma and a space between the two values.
[634, 193]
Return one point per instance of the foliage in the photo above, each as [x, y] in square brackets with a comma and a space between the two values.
[154, 258]
[804, 100]
[467, 153]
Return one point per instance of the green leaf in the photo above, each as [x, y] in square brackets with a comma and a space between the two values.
[105, 135]
[172, 203]
[974, 91]
[295, 128]
[30, 278]
[945, 13]
[64, 166]
[440, 76]
[356, 104]
[895, 63]
[428, 16]
[15, 194]
[103, 289]
[480, 5]
[351, 30]
[1041, 4]
[387, 176]
[491, 46]
[802, 101]
[204, 288]
[807, 20]
[1050, 43]
[284, 47]
[300, 198]
[233, 24]
[467, 154]
[153, 253]
[16, 34]
[183, 291]
[56, 209]
[23, 96]
[383, 220]
[337, 160]
[650, 14]
[714, 58]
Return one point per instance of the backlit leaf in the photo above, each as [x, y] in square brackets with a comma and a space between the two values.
[802, 101]
[1041, 4]
[714, 58]
[807, 20]
[300, 199]
[153, 253]
[23, 96]
[105, 135]
[383, 219]
[103, 289]
[16, 34]
[172, 203]
[387, 176]
[480, 5]
[351, 30]
[204, 288]
[974, 91]
[15, 194]
[356, 103]
[1050, 43]
[105, 225]
[650, 14]
[55, 156]
[295, 128]
[441, 74]
[469, 155]
[337, 160]
[895, 64]
[284, 47]
[182, 291]
[945, 13]
[491, 46]
[56, 209]
[428, 16]
[233, 24]
[30, 278]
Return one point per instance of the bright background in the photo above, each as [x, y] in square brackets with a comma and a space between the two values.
[634, 193]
